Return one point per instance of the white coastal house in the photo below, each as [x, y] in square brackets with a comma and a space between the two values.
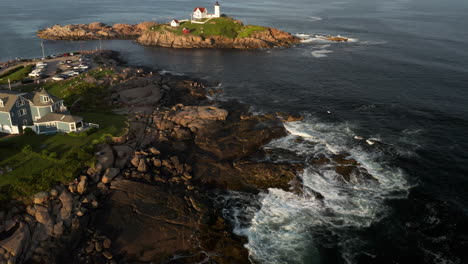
[201, 12]
[175, 23]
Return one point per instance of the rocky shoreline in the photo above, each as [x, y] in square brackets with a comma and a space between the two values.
[148, 199]
[142, 34]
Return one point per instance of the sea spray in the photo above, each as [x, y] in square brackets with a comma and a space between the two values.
[283, 227]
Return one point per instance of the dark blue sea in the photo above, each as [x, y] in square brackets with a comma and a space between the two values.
[402, 81]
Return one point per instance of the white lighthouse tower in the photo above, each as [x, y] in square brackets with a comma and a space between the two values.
[217, 10]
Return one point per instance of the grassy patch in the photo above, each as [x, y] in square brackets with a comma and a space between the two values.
[249, 30]
[80, 95]
[16, 74]
[50, 159]
[223, 26]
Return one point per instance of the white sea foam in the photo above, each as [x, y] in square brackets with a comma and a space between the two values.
[321, 53]
[307, 38]
[314, 18]
[163, 72]
[287, 225]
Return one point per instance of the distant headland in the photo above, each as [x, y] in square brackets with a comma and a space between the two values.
[202, 30]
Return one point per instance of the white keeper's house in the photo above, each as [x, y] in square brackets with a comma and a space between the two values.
[201, 12]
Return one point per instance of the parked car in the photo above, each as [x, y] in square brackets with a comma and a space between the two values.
[71, 73]
[41, 65]
[59, 77]
[35, 73]
[81, 67]
[26, 80]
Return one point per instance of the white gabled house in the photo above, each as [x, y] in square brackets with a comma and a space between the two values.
[175, 23]
[201, 12]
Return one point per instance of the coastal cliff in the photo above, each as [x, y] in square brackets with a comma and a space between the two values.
[223, 33]
[268, 38]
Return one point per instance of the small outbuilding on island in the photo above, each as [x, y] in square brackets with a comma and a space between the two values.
[175, 23]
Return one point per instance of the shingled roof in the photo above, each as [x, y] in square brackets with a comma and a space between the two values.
[9, 98]
[35, 98]
[55, 117]
[202, 9]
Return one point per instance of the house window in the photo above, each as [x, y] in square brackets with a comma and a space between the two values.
[53, 124]
[72, 126]
[47, 125]
[25, 122]
[1, 103]
[19, 102]
[22, 112]
[45, 98]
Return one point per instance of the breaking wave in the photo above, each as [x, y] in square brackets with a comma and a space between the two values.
[321, 53]
[284, 227]
[314, 18]
[307, 38]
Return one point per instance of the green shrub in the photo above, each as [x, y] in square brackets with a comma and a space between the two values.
[53, 155]
[11, 71]
[29, 132]
[27, 149]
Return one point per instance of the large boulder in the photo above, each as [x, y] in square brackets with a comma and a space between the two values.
[66, 198]
[43, 216]
[196, 117]
[245, 175]
[18, 242]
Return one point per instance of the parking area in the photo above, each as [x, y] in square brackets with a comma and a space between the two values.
[52, 69]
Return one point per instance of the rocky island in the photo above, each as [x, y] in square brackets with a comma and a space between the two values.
[222, 32]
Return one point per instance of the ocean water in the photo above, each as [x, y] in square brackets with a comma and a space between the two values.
[403, 81]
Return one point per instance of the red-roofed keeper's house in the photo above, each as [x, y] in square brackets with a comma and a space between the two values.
[200, 13]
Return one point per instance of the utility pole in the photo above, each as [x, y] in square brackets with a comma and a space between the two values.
[9, 83]
[43, 52]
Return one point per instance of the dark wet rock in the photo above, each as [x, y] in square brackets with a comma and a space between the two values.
[246, 175]
[346, 168]
[152, 223]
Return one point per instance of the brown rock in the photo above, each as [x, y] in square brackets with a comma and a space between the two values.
[16, 244]
[142, 166]
[66, 199]
[107, 243]
[89, 248]
[98, 246]
[135, 161]
[157, 163]
[107, 255]
[110, 174]
[154, 151]
[41, 197]
[81, 187]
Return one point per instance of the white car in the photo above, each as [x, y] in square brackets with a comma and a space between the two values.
[71, 73]
[35, 73]
[58, 78]
[83, 67]
[41, 64]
